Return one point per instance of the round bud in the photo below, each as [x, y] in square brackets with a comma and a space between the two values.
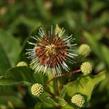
[58, 30]
[84, 50]
[78, 100]
[37, 89]
[86, 68]
[22, 63]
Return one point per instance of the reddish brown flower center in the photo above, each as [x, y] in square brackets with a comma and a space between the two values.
[51, 52]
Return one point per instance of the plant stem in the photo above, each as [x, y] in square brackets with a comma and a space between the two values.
[64, 74]
[56, 87]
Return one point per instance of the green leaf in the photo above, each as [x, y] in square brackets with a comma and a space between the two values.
[47, 100]
[11, 46]
[100, 50]
[84, 85]
[39, 105]
[105, 53]
[11, 101]
[7, 91]
[40, 77]
[61, 101]
[18, 75]
[16, 101]
[97, 6]
[93, 43]
[4, 61]
[31, 23]
[67, 106]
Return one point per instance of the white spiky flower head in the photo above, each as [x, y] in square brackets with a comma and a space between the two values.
[37, 89]
[78, 100]
[52, 51]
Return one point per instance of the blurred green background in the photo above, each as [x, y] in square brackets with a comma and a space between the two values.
[88, 20]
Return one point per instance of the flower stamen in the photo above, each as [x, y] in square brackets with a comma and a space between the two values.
[50, 50]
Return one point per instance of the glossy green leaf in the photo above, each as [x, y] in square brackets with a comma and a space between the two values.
[18, 75]
[11, 46]
[4, 61]
[47, 100]
[84, 85]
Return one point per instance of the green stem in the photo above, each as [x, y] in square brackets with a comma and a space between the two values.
[56, 87]
[62, 75]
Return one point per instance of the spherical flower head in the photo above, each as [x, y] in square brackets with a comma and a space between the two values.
[86, 68]
[22, 63]
[84, 50]
[52, 51]
[78, 100]
[37, 89]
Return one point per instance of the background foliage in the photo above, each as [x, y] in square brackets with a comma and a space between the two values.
[88, 20]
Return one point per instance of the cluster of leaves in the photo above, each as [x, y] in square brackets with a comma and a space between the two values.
[19, 18]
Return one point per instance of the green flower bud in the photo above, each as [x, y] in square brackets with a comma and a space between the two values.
[86, 68]
[22, 63]
[84, 50]
[78, 100]
[37, 89]
[58, 30]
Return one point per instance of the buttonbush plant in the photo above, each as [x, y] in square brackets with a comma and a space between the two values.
[54, 54]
